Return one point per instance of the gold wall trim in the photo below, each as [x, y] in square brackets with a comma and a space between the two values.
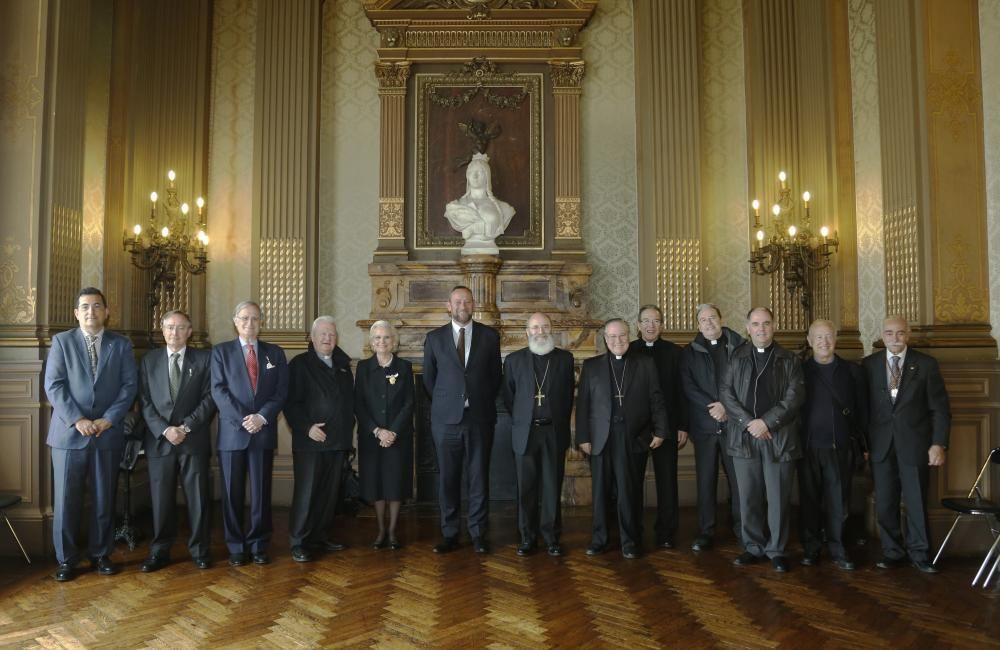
[390, 219]
[283, 286]
[678, 281]
[567, 218]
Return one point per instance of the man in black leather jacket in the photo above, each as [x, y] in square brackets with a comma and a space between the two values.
[763, 390]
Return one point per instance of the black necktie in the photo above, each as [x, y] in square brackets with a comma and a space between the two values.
[460, 348]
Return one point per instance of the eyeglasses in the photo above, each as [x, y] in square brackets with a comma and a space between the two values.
[248, 319]
[650, 321]
[176, 328]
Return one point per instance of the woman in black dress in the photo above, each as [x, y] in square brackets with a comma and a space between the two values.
[383, 402]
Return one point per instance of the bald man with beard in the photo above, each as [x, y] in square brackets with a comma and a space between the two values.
[538, 393]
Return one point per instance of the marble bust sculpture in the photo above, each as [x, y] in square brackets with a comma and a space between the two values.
[478, 215]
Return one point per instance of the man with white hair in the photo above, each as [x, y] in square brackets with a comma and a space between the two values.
[538, 393]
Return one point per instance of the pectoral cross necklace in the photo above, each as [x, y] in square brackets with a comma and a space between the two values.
[539, 396]
[620, 386]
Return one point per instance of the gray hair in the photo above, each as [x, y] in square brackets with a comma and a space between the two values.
[247, 303]
[387, 326]
[822, 321]
[604, 327]
[706, 305]
[175, 312]
[322, 319]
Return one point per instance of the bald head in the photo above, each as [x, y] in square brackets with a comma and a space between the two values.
[895, 334]
[539, 331]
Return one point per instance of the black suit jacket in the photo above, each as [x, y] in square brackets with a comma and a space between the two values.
[667, 357]
[449, 385]
[921, 415]
[319, 393]
[519, 395]
[378, 403]
[645, 411]
[194, 405]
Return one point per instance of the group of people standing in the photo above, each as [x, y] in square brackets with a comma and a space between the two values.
[751, 405]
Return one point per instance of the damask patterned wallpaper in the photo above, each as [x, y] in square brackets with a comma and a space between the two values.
[989, 27]
[867, 171]
[349, 168]
[609, 195]
[230, 186]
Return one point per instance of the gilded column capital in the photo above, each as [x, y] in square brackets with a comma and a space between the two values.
[392, 76]
[567, 74]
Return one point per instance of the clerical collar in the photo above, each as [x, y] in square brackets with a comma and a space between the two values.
[713, 341]
[649, 344]
[619, 357]
[763, 350]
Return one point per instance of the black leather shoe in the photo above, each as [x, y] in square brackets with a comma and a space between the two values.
[480, 545]
[394, 544]
[202, 562]
[261, 558]
[333, 547]
[526, 548]
[105, 566]
[446, 545]
[925, 566]
[630, 552]
[666, 543]
[780, 564]
[596, 549]
[809, 559]
[300, 554]
[237, 559]
[746, 559]
[379, 542]
[154, 563]
[889, 563]
[843, 563]
[64, 572]
[555, 550]
[701, 543]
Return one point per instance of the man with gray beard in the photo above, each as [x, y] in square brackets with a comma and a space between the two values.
[538, 392]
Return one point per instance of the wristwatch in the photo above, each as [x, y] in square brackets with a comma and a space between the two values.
[185, 428]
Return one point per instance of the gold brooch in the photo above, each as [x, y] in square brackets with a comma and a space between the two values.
[392, 378]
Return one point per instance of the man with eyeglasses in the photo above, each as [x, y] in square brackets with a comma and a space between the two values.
[249, 385]
[90, 380]
[620, 416]
[666, 355]
[176, 396]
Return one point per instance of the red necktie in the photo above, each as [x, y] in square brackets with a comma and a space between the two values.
[252, 367]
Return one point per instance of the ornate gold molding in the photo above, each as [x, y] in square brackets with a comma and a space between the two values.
[478, 9]
[568, 218]
[392, 75]
[17, 303]
[954, 93]
[678, 281]
[283, 286]
[958, 301]
[390, 218]
[567, 74]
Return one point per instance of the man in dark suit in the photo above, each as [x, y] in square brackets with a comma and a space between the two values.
[620, 415]
[320, 412]
[90, 380]
[667, 357]
[538, 392]
[762, 392]
[175, 392]
[703, 365]
[249, 385]
[834, 415]
[462, 376]
[908, 426]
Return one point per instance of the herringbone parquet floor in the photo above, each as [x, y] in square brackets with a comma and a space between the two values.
[413, 599]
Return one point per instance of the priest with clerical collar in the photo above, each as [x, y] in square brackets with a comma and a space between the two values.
[762, 391]
[620, 416]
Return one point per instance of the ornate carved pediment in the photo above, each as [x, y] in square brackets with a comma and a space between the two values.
[479, 24]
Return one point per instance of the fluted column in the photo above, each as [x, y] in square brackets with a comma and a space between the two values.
[392, 80]
[935, 195]
[668, 126]
[567, 87]
[286, 121]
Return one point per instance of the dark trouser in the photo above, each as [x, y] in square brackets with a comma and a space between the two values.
[824, 496]
[765, 497]
[464, 445]
[542, 465]
[616, 464]
[318, 475]
[235, 466]
[75, 474]
[665, 472]
[194, 477]
[892, 479]
[708, 450]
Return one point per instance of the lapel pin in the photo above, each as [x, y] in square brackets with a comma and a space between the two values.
[269, 366]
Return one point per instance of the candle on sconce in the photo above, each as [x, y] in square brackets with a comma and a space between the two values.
[760, 240]
[165, 232]
[171, 176]
[755, 204]
[776, 211]
[185, 208]
[782, 176]
[201, 204]
[153, 197]
[824, 232]
[137, 230]
[791, 231]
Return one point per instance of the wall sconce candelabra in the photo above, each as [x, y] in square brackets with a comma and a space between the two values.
[174, 240]
[794, 249]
